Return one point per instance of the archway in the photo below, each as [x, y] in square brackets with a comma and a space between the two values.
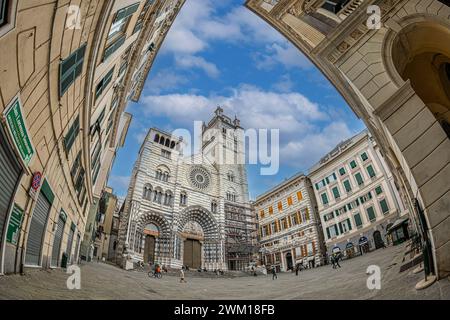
[421, 54]
[378, 239]
[198, 239]
[289, 262]
[151, 238]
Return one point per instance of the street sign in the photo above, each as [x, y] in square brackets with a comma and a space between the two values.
[36, 183]
[18, 130]
[15, 221]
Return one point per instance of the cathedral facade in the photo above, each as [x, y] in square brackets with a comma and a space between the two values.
[190, 210]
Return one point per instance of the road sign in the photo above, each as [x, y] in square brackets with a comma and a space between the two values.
[15, 221]
[36, 183]
[18, 130]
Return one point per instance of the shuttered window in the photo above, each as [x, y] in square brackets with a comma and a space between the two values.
[336, 193]
[342, 171]
[364, 156]
[299, 196]
[116, 44]
[324, 198]
[378, 190]
[72, 134]
[371, 171]
[70, 68]
[101, 86]
[384, 206]
[347, 186]
[371, 214]
[353, 164]
[359, 179]
[358, 221]
[3, 12]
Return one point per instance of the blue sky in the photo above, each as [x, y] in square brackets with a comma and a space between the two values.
[219, 52]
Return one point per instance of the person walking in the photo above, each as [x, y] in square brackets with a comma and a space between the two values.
[336, 260]
[296, 269]
[182, 276]
[274, 273]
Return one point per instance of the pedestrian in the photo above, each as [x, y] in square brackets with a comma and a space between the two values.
[182, 276]
[336, 260]
[296, 269]
[274, 273]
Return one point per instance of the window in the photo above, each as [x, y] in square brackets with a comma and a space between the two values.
[370, 171]
[3, 12]
[384, 206]
[289, 201]
[324, 198]
[378, 190]
[140, 21]
[261, 214]
[364, 156]
[280, 206]
[121, 20]
[166, 154]
[72, 134]
[336, 193]
[270, 210]
[183, 199]
[320, 184]
[347, 186]
[334, 6]
[371, 214]
[101, 86]
[75, 166]
[359, 179]
[147, 192]
[214, 207]
[70, 68]
[299, 196]
[342, 171]
[353, 164]
[358, 221]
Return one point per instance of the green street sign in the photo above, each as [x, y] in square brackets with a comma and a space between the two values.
[16, 124]
[15, 221]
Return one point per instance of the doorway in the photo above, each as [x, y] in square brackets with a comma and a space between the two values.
[192, 254]
[378, 239]
[149, 249]
[289, 262]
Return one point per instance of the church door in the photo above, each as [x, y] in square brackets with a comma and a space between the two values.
[192, 254]
[149, 249]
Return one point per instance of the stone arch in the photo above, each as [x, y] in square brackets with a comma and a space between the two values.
[204, 218]
[211, 242]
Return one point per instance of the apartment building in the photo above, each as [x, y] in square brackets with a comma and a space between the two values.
[289, 226]
[357, 198]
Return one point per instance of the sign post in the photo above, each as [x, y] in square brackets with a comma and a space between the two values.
[18, 130]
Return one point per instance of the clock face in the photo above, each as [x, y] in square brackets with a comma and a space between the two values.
[199, 177]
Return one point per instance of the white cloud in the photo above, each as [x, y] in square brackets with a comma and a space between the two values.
[307, 132]
[190, 62]
[281, 53]
[164, 80]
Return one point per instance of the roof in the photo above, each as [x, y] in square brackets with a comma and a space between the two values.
[280, 186]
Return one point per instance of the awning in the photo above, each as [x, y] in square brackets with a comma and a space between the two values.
[397, 223]
[362, 241]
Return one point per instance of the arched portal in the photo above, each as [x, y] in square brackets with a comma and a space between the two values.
[151, 238]
[198, 240]
[421, 54]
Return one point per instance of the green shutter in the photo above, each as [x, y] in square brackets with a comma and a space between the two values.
[70, 68]
[371, 214]
[47, 192]
[371, 171]
[359, 178]
[336, 193]
[347, 186]
[378, 190]
[341, 171]
[72, 134]
[328, 233]
[324, 198]
[384, 206]
[349, 225]
[358, 220]
[364, 156]
[340, 227]
[353, 164]
[336, 229]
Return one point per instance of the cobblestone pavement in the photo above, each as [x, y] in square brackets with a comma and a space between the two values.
[103, 281]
